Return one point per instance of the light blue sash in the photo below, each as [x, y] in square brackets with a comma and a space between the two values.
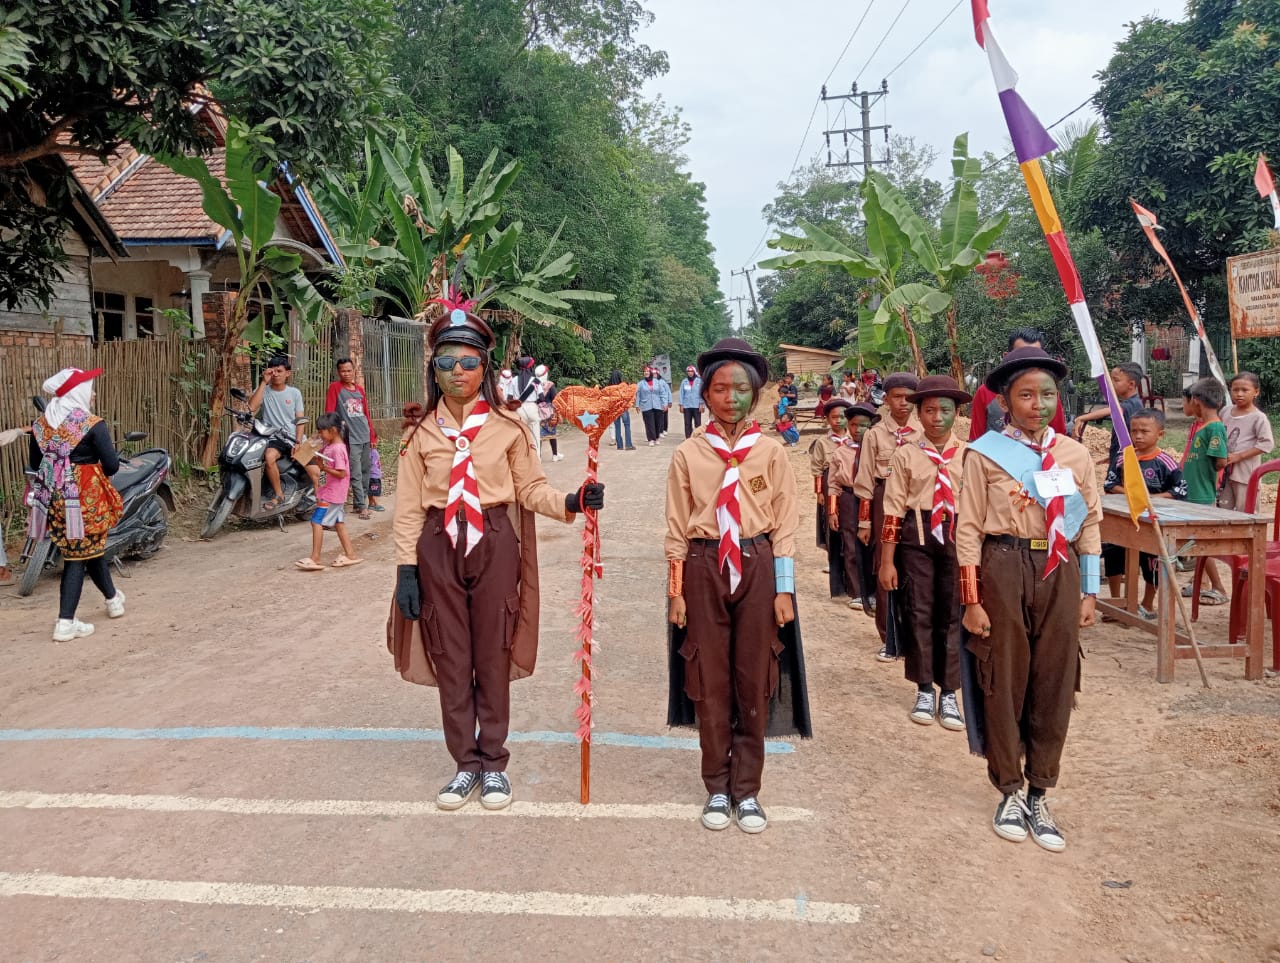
[1021, 463]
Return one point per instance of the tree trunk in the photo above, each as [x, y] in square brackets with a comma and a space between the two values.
[953, 341]
[916, 355]
[230, 337]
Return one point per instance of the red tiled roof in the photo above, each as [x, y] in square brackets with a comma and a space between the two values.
[155, 204]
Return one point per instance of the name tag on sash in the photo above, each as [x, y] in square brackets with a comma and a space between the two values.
[1055, 482]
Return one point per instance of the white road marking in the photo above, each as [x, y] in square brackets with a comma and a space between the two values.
[364, 807]
[459, 901]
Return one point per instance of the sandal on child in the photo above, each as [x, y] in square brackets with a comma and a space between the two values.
[1213, 597]
[308, 565]
[377, 508]
[343, 562]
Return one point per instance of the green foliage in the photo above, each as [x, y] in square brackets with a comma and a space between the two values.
[304, 76]
[1187, 107]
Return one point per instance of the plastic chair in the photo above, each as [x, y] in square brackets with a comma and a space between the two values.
[1149, 398]
[1239, 565]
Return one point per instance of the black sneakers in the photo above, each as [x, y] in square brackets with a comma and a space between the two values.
[1043, 829]
[924, 708]
[751, 818]
[460, 789]
[495, 790]
[715, 814]
[1010, 821]
[949, 713]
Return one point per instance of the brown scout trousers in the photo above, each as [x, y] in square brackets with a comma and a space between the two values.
[847, 507]
[877, 526]
[731, 662]
[1029, 668]
[931, 578]
[468, 631]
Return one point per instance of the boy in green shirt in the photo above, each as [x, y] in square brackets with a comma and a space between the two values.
[1207, 457]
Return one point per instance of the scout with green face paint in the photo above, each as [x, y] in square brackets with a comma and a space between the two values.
[842, 506]
[1028, 545]
[920, 519]
[731, 523]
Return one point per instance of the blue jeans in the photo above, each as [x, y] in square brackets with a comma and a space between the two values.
[623, 420]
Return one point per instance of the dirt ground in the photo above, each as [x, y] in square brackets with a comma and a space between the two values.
[132, 829]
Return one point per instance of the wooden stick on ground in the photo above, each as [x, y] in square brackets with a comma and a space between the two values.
[1170, 573]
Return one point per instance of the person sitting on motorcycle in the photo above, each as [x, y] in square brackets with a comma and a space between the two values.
[72, 502]
[281, 407]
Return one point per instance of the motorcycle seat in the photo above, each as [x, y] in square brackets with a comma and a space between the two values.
[136, 468]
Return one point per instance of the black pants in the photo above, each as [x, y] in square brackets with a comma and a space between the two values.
[929, 577]
[73, 574]
[652, 424]
[692, 420]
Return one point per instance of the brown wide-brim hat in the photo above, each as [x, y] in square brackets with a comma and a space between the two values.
[1023, 359]
[461, 327]
[862, 408]
[835, 403]
[735, 349]
[940, 386]
[901, 379]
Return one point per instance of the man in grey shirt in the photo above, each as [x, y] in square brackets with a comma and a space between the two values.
[281, 407]
[348, 399]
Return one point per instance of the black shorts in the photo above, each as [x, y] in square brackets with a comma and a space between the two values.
[282, 446]
[1113, 557]
[375, 487]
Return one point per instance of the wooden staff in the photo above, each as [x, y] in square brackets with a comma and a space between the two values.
[1170, 573]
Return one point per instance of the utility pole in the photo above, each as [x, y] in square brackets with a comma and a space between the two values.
[864, 100]
[739, 299]
[751, 290]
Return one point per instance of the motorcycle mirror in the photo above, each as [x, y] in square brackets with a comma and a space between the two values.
[38, 403]
[134, 435]
[239, 394]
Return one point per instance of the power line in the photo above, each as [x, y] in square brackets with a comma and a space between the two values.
[849, 42]
[882, 40]
[1069, 114]
[936, 28]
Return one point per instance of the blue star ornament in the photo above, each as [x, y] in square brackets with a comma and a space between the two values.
[588, 420]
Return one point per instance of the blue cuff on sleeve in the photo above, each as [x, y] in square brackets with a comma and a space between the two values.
[784, 575]
[1090, 578]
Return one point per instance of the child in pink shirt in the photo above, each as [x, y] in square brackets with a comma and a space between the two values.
[332, 483]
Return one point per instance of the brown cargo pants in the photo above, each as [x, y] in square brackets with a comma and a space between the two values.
[930, 577]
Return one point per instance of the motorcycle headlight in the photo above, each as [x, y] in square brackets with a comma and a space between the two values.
[237, 445]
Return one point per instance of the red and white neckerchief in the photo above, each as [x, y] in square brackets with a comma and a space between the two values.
[464, 490]
[728, 509]
[900, 435]
[840, 441]
[1055, 509]
[944, 495]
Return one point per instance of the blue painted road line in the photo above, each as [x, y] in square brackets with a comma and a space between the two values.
[186, 733]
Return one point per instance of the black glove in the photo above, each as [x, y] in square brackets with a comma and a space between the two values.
[590, 495]
[408, 592]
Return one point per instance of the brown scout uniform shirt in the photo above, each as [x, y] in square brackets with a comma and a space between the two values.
[842, 462]
[878, 445]
[987, 508]
[766, 494]
[914, 475]
[820, 454]
[506, 472]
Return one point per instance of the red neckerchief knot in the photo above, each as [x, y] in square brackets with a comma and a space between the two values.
[728, 509]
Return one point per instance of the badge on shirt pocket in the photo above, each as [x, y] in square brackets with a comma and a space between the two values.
[758, 484]
[1055, 482]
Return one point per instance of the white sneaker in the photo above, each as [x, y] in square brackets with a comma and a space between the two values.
[115, 606]
[67, 630]
[557, 457]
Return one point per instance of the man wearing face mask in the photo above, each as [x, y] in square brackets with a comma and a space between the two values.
[466, 604]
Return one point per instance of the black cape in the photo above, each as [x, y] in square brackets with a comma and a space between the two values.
[975, 705]
[789, 707]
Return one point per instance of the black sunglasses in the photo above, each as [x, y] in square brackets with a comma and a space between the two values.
[469, 363]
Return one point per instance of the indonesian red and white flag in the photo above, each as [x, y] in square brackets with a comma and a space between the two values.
[1266, 186]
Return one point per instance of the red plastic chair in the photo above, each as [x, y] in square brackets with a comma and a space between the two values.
[1239, 565]
[1149, 398]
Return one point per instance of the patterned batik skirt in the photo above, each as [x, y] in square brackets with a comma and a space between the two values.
[100, 505]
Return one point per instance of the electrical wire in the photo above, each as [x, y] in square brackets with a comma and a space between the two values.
[936, 28]
[849, 42]
[881, 43]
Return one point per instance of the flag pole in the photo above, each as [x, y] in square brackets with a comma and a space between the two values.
[1170, 573]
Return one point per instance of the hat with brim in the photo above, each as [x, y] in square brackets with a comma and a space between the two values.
[835, 403]
[901, 379]
[1023, 359]
[939, 386]
[735, 349]
[74, 380]
[862, 408]
[461, 327]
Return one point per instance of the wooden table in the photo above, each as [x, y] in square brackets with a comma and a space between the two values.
[1190, 530]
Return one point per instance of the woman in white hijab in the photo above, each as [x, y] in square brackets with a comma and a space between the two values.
[71, 499]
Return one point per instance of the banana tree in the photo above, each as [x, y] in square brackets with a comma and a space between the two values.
[246, 207]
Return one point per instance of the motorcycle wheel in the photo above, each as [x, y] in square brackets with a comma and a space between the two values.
[157, 519]
[35, 567]
[219, 511]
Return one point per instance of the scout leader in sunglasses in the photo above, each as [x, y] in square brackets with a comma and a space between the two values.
[462, 546]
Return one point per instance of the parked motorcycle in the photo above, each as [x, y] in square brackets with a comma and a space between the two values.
[242, 466]
[142, 482]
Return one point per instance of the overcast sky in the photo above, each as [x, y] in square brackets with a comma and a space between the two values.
[747, 74]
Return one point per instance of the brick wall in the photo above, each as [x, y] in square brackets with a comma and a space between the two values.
[218, 306]
[42, 339]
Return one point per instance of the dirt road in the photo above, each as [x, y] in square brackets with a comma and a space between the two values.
[234, 772]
